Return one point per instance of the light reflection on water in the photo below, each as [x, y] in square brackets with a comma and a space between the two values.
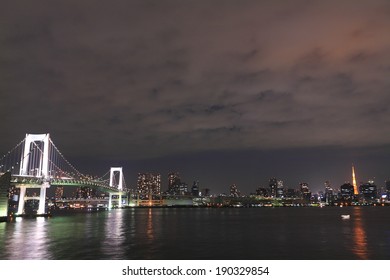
[163, 233]
[114, 235]
[35, 234]
[359, 234]
[354, 233]
[149, 228]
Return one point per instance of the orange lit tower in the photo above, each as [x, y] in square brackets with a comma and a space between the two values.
[355, 189]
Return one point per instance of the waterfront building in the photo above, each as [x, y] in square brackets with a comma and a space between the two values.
[273, 184]
[59, 192]
[280, 189]
[148, 185]
[205, 192]
[234, 191]
[180, 188]
[321, 196]
[82, 192]
[347, 192]
[195, 188]
[315, 197]
[262, 192]
[305, 191]
[368, 192]
[175, 186]
[292, 193]
[173, 180]
[77, 193]
[329, 197]
[387, 186]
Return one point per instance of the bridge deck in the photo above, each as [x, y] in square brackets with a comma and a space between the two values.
[35, 182]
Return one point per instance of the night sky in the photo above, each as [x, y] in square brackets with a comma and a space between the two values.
[221, 91]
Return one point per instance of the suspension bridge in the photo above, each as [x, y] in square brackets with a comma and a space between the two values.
[36, 163]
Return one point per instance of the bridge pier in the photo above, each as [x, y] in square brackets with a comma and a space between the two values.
[42, 199]
[22, 194]
[109, 200]
[120, 204]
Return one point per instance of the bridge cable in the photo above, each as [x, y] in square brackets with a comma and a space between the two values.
[58, 151]
[9, 159]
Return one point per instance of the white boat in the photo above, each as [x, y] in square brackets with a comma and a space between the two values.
[345, 217]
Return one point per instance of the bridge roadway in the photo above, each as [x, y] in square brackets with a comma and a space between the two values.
[36, 182]
[25, 182]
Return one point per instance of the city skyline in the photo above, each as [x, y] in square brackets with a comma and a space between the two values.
[224, 92]
[146, 182]
[257, 172]
[168, 181]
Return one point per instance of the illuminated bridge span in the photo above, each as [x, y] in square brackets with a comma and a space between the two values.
[35, 162]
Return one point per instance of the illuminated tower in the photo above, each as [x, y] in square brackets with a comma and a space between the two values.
[355, 188]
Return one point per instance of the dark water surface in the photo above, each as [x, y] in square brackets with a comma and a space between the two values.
[202, 233]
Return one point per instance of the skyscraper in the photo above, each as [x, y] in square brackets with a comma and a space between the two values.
[273, 183]
[305, 191]
[387, 186]
[347, 192]
[148, 184]
[369, 191]
[280, 189]
[328, 193]
[173, 182]
[234, 191]
[195, 188]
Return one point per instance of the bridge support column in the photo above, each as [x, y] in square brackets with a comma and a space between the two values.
[120, 200]
[109, 200]
[42, 199]
[22, 194]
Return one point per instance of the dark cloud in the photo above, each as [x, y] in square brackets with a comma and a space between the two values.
[144, 79]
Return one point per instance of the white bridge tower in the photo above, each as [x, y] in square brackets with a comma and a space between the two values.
[114, 171]
[41, 171]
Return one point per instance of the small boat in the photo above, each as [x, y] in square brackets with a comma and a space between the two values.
[345, 217]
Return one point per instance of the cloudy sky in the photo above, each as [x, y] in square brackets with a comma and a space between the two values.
[222, 91]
